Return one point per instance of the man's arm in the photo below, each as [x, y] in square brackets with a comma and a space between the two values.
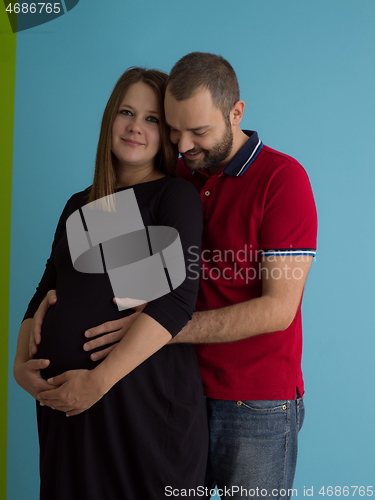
[283, 280]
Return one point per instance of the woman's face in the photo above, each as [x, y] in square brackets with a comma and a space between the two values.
[136, 130]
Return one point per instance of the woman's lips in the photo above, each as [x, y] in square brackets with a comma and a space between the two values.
[131, 142]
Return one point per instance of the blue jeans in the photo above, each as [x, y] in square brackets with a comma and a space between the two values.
[253, 447]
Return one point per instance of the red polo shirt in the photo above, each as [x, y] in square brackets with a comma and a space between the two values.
[260, 204]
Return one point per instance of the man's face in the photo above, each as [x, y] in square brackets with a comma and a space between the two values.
[203, 137]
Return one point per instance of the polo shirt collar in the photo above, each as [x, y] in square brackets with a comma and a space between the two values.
[245, 156]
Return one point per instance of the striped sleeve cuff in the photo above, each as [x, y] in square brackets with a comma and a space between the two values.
[289, 252]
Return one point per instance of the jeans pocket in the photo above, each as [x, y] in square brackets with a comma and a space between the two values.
[264, 407]
[266, 419]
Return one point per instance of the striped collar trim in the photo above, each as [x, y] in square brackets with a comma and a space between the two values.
[245, 156]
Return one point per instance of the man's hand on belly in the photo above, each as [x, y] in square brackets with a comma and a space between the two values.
[110, 332]
[36, 327]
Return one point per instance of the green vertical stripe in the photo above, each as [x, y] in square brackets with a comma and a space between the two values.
[7, 85]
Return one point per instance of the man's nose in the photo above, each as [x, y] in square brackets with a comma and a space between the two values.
[185, 143]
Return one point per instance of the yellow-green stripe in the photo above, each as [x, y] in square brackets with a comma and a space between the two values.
[7, 89]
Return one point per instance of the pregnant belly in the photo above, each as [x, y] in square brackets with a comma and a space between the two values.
[63, 335]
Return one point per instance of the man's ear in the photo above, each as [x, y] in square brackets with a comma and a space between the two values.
[237, 112]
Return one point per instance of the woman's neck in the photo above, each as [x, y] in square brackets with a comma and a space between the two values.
[126, 178]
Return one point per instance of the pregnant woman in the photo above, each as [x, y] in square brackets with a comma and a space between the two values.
[137, 420]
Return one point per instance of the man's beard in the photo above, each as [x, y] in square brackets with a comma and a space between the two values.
[214, 156]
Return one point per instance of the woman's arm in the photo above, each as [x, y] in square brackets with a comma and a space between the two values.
[77, 390]
[161, 319]
[26, 370]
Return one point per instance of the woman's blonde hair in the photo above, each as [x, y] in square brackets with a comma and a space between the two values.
[104, 182]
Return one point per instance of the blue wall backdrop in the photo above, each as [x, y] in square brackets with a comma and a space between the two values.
[307, 73]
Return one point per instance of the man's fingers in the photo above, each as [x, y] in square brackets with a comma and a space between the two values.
[109, 326]
[110, 333]
[33, 349]
[109, 338]
[97, 356]
[51, 297]
[36, 327]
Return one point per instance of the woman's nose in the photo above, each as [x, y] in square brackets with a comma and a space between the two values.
[134, 125]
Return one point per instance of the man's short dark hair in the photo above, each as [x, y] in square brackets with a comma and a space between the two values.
[210, 71]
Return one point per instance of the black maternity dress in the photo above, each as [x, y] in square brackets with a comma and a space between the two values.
[148, 434]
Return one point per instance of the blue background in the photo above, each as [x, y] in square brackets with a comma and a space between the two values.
[307, 73]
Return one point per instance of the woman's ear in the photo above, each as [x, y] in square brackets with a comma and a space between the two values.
[237, 112]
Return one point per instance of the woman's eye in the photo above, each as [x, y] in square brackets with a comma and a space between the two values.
[125, 112]
[153, 119]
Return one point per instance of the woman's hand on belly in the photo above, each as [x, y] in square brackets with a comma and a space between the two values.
[75, 392]
[27, 375]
